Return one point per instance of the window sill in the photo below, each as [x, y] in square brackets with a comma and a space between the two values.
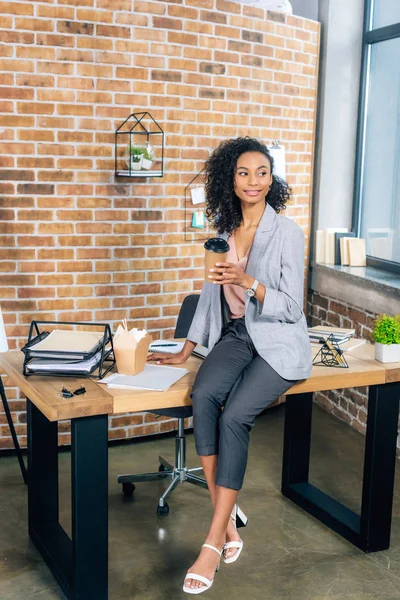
[372, 289]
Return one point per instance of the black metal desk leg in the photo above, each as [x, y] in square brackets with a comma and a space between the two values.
[90, 507]
[44, 529]
[379, 466]
[12, 430]
[297, 439]
[79, 565]
[43, 470]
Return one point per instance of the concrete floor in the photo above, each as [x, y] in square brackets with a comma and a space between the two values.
[287, 554]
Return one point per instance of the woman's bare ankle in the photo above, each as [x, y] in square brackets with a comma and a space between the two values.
[215, 541]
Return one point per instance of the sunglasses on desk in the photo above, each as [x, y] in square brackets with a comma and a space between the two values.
[68, 394]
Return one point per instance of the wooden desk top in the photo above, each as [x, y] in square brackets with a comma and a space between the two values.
[44, 391]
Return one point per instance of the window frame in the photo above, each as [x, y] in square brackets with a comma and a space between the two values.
[370, 37]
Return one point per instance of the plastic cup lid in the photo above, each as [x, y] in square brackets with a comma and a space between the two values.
[217, 245]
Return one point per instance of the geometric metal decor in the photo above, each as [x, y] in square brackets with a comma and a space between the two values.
[139, 147]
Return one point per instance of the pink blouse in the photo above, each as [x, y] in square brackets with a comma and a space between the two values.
[234, 294]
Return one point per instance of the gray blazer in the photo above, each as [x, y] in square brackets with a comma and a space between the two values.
[277, 326]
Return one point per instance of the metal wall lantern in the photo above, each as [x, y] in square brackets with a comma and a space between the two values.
[139, 147]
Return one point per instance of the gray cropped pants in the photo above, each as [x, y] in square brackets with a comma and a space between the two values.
[233, 385]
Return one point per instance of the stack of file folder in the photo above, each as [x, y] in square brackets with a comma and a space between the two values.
[74, 352]
[319, 334]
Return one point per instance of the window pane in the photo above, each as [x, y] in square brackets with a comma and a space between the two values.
[380, 217]
[386, 12]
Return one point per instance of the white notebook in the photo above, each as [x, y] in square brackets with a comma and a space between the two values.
[154, 377]
[166, 346]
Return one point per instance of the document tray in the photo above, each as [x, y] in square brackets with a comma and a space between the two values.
[95, 361]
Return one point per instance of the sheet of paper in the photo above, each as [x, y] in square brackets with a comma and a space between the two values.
[351, 344]
[198, 195]
[278, 154]
[154, 377]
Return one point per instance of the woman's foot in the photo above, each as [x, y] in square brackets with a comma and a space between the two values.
[205, 565]
[232, 535]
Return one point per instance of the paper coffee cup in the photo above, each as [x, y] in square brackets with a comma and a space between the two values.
[216, 250]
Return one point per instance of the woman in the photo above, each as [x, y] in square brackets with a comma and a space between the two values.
[250, 316]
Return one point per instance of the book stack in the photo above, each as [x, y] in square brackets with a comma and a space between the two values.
[340, 335]
[339, 247]
[319, 334]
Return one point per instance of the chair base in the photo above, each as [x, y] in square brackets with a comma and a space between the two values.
[178, 475]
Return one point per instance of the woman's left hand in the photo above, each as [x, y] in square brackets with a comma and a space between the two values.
[225, 272]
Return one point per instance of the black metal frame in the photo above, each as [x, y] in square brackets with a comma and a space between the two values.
[140, 130]
[13, 432]
[80, 564]
[98, 371]
[369, 531]
[193, 234]
[370, 36]
[330, 355]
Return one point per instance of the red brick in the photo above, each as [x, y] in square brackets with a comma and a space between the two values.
[17, 37]
[165, 23]
[34, 24]
[36, 292]
[113, 31]
[35, 188]
[75, 27]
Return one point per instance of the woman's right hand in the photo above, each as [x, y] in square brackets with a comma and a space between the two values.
[161, 358]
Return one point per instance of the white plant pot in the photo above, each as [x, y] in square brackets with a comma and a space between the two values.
[387, 353]
[136, 166]
[146, 163]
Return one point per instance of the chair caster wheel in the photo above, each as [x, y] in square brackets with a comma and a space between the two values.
[163, 510]
[128, 489]
[161, 469]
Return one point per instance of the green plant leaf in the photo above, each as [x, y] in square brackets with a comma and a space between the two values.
[386, 329]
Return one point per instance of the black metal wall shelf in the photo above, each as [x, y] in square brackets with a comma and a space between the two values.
[139, 147]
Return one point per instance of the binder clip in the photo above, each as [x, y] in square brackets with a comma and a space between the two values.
[330, 355]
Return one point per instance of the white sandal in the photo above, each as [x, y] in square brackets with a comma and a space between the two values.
[207, 582]
[237, 515]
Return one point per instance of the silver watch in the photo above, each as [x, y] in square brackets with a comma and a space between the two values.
[252, 290]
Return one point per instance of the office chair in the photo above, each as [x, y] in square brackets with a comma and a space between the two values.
[178, 472]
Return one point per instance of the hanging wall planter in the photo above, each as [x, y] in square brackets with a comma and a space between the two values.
[139, 147]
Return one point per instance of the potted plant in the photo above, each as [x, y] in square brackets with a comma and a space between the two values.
[135, 158]
[386, 334]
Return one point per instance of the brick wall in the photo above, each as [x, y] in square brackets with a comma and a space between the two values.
[77, 243]
[350, 405]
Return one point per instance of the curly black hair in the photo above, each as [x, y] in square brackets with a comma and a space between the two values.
[223, 206]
